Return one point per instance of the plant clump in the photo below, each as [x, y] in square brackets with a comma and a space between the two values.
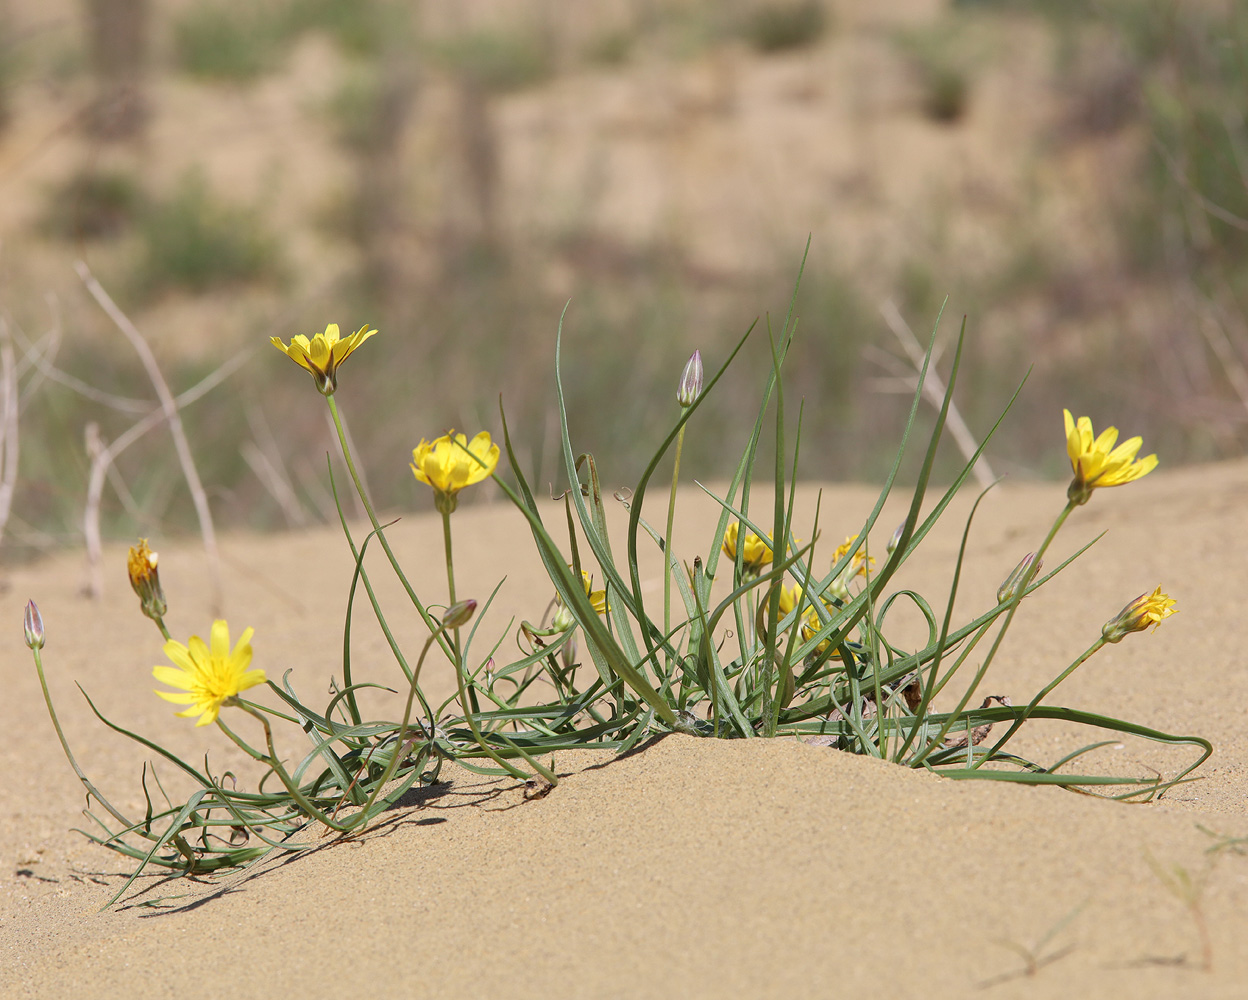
[762, 632]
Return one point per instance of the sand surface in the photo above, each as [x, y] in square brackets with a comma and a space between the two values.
[690, 867]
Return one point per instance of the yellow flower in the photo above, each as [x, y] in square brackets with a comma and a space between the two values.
[1096, 462]
[146, 580]
[208, 674]
[323, 353]
[451, 462]
[564, 620]
[1145, 610]
[597, 598]
[755, 554]
[858, 565]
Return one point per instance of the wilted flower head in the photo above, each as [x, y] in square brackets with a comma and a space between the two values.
[208, 675]
[451, 462]
[755, 552]
[690, 380]
[32, 625]
[1145, 610]
[1096, 462]
[145, 580]
[323, 353]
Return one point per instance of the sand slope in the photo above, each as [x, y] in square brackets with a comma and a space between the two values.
[690, 867]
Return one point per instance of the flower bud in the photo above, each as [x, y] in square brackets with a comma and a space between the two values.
[563, 620]
[1019, 577]
[1145, 610]
[690, 381]
[893, 542]
[459, 613]
[32, 622]
[145, 580]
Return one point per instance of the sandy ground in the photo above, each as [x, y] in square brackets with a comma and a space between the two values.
[691, 867]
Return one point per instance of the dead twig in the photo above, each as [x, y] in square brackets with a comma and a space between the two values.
[8, 424]
[169, 411]
[934, 391]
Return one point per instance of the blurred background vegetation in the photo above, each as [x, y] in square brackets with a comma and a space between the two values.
[1072, 175]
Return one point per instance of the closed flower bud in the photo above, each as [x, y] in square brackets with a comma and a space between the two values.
[32, 622]
[458, 614]
[893, 542]
[690, 381]
[1019, 577]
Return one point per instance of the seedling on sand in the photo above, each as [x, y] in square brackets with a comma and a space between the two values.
[1189, 890]
[1037, 956]
[754, 639]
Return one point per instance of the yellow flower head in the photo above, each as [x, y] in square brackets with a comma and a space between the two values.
[858, 565]
[755, 554]
[1145, 610]
[146, 580]
[597, 599]
[323, 353]
[451, 462]
[1096, 462]
[208, 675]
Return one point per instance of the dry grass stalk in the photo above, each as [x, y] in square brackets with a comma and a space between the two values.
[264, 458]
[102, 458]
[169, 412]
[934, 391]
[8, 424]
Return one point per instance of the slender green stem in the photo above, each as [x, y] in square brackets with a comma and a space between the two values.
[60, 735]
[466, 700]
[1014, 726]
[1009, 616]
[667, 541]
[288, 783]
[393, 763]
[450, 563]
[430, 623]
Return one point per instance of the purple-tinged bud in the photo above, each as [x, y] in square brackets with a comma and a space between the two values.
[690, 381]
[1020, 576]
[32, 622]
[893, 542]
[459, 613]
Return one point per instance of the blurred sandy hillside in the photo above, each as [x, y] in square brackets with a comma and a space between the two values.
[453, 172]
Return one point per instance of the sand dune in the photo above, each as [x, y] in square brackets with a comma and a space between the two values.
[689, 867]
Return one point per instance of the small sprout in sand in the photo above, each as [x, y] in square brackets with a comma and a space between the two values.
[1096, 462]
[323, 353]
[1189, 890]
[451, 462]
[1145, 610]
[1037, 956]
[32, 623]
[208, 674]
[145, 579]
[755, 553]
